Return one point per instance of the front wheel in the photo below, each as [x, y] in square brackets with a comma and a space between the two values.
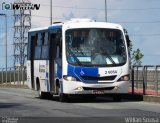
[62, 97]
[117, 98]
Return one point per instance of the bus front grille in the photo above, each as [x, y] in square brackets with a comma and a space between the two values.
[104, 78]
[104, 88]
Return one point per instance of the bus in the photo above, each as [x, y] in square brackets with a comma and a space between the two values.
[78, 57]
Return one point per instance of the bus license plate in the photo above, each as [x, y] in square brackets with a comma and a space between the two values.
[98, 91]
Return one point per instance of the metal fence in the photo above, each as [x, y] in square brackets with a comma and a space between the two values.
[13, 75]
[145, 80]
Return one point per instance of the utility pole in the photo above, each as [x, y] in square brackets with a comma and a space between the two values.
[106, 10]
[51, 12]
[22, 23]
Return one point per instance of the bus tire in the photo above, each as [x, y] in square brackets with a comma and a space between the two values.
[62, 97]
[45, 95]
[41, 94]
[117, 98]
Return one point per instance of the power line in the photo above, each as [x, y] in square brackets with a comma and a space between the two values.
[158, 21]
[151, 54]
[5, 56]
[126, 9]
[46, 17]
[156, 34]
[5, 45]
[7, 28]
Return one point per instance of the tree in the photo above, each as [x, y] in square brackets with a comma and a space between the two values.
[136, 55]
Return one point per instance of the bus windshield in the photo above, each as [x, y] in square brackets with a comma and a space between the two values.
[95, 47]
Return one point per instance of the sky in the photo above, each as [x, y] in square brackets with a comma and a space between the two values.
[140, 17]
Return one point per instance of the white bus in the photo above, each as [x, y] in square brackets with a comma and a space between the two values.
[78, 57]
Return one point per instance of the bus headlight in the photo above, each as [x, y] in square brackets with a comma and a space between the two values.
[124, 78]
[69, 78]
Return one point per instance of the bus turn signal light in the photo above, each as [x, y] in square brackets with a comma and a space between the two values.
[124, 78]
[69, 78]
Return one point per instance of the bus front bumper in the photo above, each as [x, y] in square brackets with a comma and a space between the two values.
[74, 87]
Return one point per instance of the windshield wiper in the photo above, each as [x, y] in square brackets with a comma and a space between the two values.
[70, 52]
[79, 51]
[110, 58]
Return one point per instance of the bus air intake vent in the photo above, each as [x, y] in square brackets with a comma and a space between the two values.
[104, 88]
[104, 78]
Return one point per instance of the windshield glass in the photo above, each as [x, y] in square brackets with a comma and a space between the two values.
[95, 47]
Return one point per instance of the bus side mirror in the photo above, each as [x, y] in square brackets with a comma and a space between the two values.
[127, 37]
[128, 41]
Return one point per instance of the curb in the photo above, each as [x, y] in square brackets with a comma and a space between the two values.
[140, 97]
[136, 97]
[151, 98]
[13, 86]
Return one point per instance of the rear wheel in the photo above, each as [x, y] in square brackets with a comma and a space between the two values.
[43, 95]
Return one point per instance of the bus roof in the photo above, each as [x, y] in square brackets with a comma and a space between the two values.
[81, 23]
[88, 23]
[38, 28]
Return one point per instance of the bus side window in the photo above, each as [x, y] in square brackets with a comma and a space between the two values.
[31, 47]
[59, 45]
[44, 54]
[38, 47]
[52, 43]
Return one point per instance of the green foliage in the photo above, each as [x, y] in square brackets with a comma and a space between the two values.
[136, 55]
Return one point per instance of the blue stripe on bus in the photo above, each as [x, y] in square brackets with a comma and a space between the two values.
[46, 74]
[79, 72]
[55, 27]
[59, 72]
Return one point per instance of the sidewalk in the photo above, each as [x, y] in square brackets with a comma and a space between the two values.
[14, 85]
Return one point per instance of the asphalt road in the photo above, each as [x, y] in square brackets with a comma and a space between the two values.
[23, 105]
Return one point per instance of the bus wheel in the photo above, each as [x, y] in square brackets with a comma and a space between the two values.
[117, 98]
[44, 95]
[41, 95]
[62, 97]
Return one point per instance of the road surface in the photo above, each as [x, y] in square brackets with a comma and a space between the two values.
[23, 105]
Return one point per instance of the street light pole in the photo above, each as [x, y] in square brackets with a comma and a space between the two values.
[106, 10]
[5, 42]
[51, 11]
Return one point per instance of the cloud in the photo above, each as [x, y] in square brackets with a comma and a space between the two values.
[121, 11]
[65, 10]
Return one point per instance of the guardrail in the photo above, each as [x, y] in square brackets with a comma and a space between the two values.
[145, 80]
[13, 75]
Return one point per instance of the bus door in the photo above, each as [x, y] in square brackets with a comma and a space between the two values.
[52, 55]
[32, 52]
[55, 51]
